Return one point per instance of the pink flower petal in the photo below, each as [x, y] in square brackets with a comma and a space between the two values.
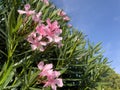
[66, 18]
[41, 30]
[39, 37]
[57, 39]
[40, 65]
[56, 73]
[21, 12]
[39, 14]
[30, 12]
[36, 17]
[61, 13]
[48, 66]
[53, 86]
[50, 39]
[27, 7]
[59, 82]
[57, 32]
[46, 84]
[33, 47]
[30, 40]
[43, 43]
[50, 74]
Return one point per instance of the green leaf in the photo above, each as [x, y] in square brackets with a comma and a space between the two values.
[11, 20]
[7, 72]
[19, 23]
[31, 88]
[8, 79]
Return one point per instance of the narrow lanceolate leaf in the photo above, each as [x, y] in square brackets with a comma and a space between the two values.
[7, 72]
[31, 88]
[19, 23]
[2, 32]
[33, 78]
[3, 53]
[11, 21]
[8, 79]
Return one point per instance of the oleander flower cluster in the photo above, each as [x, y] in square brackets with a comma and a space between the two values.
[44, 34]
[52, 79]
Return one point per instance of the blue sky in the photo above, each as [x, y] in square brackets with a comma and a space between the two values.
[100, 20]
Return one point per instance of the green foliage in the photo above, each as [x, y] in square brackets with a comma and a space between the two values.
[85, 63]
[82, 65]
[110, 81]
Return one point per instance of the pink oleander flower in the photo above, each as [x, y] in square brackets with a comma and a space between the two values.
[36, 17]
[45, 69]
[66, 18]
[51, 76]
[54, 83]
[64, 15]
[61, 13]
[53, 26]
[41, 29]
[45, 1]
[44, 34]
[53, 31]
[53, 80]
[27, 11]
[36, 42]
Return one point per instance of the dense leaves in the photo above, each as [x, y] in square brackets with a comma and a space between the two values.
[110, 81]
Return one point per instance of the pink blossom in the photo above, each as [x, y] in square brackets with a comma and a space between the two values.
[53, 80]
[44, 34]
[36, 17]
[52, 76]
[38, 45]
[27, 11]
[66, 18]
[36, 42]
[45, 69]
[56, 73]
[41, 65]
[53, 83]
[45, 1]
[64, 15]
[61, 13]
[53, 31]
[57, 39]
[41, 29]
[52, 26]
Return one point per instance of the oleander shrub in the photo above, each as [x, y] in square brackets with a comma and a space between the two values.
[39, 50]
